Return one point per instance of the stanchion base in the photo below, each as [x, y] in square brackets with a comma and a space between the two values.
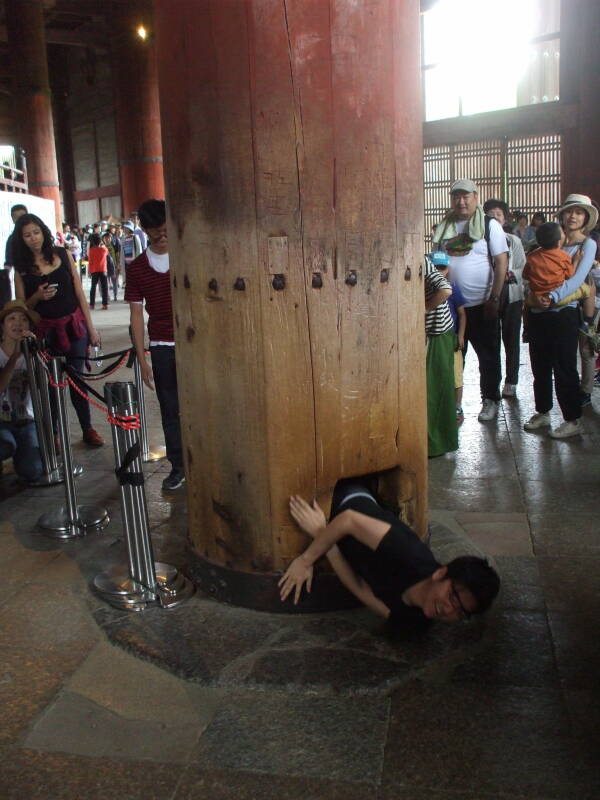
[118, 589]
[55, 477]
[58, 525]
[51, 479]
[156, 454]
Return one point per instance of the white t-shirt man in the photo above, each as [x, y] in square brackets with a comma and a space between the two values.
[473, 273]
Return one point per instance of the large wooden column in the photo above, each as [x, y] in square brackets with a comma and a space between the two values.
[293, 163]
[27, 44]
[137, 112]
[579, 69]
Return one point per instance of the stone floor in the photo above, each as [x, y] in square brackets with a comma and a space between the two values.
[213, 702]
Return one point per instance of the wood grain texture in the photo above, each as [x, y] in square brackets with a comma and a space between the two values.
[293, 151]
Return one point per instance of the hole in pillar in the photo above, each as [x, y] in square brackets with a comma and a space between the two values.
[394, 489]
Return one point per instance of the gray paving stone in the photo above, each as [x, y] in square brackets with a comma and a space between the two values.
[515, 650]
[572, 535]
[224, 785]
[577, 649]
[484, 739]
[287, 734]
[74, 724]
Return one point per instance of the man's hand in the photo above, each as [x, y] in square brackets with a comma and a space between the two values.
[490, 310]
[146, 371]
[310, 518]
[297, 574]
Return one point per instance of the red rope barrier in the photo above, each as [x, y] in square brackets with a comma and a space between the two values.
[127, 422]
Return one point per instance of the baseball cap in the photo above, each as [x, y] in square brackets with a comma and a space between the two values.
[464, 185]
[129, 225]
[439, 258]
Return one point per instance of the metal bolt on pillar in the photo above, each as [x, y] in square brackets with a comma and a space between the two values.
[70, 520]
[158, 452]
[146, 582]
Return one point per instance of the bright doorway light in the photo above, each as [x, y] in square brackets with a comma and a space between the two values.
[142, 32]
[479, 51]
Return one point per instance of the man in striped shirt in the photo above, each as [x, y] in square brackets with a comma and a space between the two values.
[148, 279]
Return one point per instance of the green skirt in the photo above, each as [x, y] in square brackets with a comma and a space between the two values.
[442, 430]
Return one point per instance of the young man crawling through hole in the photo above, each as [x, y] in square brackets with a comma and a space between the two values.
[384, 563]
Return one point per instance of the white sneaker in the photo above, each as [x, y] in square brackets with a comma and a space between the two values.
[489, 410]
[537, 421]
[509, 390]
[567, 429]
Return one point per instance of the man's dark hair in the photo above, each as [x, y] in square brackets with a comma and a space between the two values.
[21, 254]
[548, 235]
[152, 214]
[18, 207]
[94, 240]
[493, 203]
[476, 575]
[539, 215]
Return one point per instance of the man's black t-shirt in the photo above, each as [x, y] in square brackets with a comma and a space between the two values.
[400, 561]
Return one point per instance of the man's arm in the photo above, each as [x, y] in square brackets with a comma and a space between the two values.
[365, 529]
[461, 316]
[136, 312]
[355, 584]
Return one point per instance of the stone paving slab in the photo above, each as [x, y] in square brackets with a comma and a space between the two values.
[74, 724]
[202, 784]
[484, 739]
[57, 776]
[297, 735]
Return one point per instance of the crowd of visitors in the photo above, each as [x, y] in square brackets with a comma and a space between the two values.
[508, 274]
[51, 305]
[490, 275]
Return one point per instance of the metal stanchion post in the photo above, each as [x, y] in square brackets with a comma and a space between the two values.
[43, 422]
[147, 454]
[72, 520]
[47, 414]
[147, 582]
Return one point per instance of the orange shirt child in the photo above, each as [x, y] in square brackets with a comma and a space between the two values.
[546, 270]
[549, 266]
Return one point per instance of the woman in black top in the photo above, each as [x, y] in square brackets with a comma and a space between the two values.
[47, 280]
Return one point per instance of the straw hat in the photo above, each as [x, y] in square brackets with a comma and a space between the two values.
[581, 201]
[19, 305]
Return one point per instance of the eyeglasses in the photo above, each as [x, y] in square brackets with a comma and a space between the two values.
[457, 604]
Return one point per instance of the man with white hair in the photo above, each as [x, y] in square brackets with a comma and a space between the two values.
[478, 253]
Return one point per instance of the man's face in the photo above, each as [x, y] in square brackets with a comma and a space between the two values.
[463, 204]
[447, 601]
[158, 238]
[16, 214]
[498, 214]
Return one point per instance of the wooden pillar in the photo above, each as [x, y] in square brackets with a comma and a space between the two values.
[137, 111]
[292, 135]
[27, 45]
[580, 66]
